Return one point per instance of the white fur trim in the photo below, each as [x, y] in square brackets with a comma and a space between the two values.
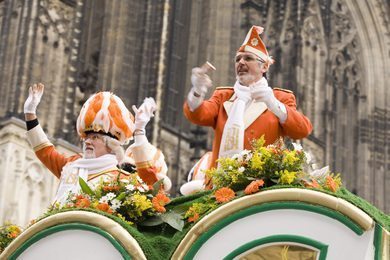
[37, 138]
[258, 53]
[192, 187]
[167, 182]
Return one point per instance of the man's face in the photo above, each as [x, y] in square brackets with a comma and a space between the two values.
[94, 146]
[248, 68]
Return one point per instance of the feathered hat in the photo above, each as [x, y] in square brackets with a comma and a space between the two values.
[106, 113]
[255, 45]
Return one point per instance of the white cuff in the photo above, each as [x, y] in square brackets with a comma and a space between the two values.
[193, 101]
[140, 140]
[166, 181]
[192, 187]
[37, 138]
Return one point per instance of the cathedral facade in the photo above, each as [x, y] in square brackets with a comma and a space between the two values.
[334, 55]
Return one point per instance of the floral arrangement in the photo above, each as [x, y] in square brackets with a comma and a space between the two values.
[130, 199]
[267, 166]
[8, 232]
[245, 173]
[264, 166]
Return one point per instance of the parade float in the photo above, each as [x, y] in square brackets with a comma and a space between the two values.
[264, 205]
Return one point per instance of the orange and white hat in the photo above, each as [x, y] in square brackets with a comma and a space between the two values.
[255, 45]
[106, 113]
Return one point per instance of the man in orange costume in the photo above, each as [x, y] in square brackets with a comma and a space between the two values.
[248, 110]
[104, 124]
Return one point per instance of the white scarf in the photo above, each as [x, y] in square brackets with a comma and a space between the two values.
[69, 182]
[232, 141]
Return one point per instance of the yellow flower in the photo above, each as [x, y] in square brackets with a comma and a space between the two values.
[257, 163]
[141, 202]
[287, 177]
[290, 157]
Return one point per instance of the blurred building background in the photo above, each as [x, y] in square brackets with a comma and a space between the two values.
[334, 55]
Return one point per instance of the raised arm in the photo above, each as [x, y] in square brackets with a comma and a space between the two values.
[43, 148]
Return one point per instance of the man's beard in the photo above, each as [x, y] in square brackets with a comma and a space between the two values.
[87, 153]
[245, 79]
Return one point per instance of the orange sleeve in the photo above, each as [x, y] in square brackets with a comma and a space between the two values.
[206, 114]
[54, 160]
[148, 174]
[297, 125]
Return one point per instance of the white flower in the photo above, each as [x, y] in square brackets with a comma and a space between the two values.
[241, 169]
[146, 187]
[110, 195]
[308, 157]
[140, 189]
[115, 204]
[245, 152]
[103, 199]
[297, 147]
[230, 167]
[320, 173]
[130, 187]
[139, 179]
[124, 180]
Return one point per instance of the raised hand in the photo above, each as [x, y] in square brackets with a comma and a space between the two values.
[35, 93]
[144, 113]
[200, 80]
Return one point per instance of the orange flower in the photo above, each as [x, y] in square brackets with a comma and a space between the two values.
[13, 234]
[159, 202]
[79, 197]
[224, 195]
[111, 188]
[253, 187]
[312, 184]
[331, 184]
[104, 207]
[194, 217]
[83, 203]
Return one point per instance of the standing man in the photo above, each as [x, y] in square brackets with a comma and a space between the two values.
[104, 124]
[248, 110]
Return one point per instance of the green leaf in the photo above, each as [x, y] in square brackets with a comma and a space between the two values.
[152, 221]
[156, 187]
[180, 209]
[121, 196]
[174, 220]
[85, 188]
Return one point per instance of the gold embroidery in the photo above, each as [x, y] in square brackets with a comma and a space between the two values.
[71, 178]
[231, 141]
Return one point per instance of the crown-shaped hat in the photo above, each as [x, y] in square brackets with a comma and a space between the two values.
[255, 45]
[106, 113]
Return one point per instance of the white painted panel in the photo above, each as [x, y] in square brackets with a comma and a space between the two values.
[72, 244]
[343, 242]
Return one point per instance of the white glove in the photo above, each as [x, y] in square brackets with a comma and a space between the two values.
[260, 91]
[201, 82]
[144, 113]
[35, 93]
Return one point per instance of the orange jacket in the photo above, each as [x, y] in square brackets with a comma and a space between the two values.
[55, 161]
[212, 113]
